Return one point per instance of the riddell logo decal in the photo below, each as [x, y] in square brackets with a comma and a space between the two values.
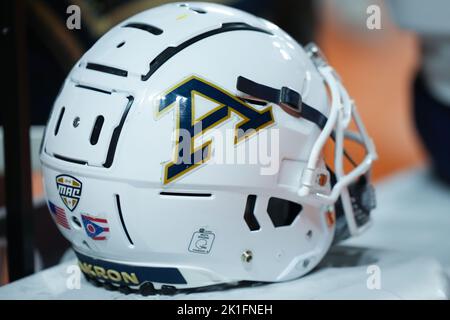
[69, 189]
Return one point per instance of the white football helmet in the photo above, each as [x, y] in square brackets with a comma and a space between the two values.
[146, 208]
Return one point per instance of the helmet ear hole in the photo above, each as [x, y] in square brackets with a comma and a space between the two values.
[249, 215]
[283, 212]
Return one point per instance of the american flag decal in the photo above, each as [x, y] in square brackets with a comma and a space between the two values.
[59, 215]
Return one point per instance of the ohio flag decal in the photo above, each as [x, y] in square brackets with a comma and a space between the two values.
[96, 228]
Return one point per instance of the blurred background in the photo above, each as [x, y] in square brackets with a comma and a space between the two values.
[379, 66]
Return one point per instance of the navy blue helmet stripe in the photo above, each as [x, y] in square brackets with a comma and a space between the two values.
[101, 269]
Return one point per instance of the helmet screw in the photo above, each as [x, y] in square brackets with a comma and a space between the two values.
[247, 256]
[76, 122]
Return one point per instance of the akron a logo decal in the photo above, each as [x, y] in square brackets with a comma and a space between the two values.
[69, 189]
[189, 126]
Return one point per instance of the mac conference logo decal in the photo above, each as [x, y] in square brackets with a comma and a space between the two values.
[69, 189]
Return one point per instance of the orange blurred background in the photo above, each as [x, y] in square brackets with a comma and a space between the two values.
[377, 68]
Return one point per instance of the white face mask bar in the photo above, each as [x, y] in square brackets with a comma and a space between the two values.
[341, 113]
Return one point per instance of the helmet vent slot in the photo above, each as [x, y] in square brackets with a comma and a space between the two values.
[185, 194]
[107, 69]
[169, 52]
[76, 223]
[60, 157]
[145, 27]
[249, 215]
[92, 121]
[96, 130]
[198, 10]
[116, 135]
[282, 212]
[122, 221]
[92, 88]
[58, 123]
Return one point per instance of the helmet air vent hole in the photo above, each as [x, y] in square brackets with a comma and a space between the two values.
[198, 10]
[95, 134]
[122, 221]
[120, 44]
[106, 69]
[86, 244]
[76, 223]
[306, 263]
[171, 51]
[58, 123]
[282, 212]
[92, 89]
[145, 27]
[185, 194]
[249, 215]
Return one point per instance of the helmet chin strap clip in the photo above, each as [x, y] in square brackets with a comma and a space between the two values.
[284, 96]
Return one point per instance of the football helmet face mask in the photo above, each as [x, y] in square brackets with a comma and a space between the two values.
[144, 205]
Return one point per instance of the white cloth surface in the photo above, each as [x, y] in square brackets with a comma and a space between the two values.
[409, 243]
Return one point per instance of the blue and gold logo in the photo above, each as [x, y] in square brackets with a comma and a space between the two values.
[181, 99]
[69, 189]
